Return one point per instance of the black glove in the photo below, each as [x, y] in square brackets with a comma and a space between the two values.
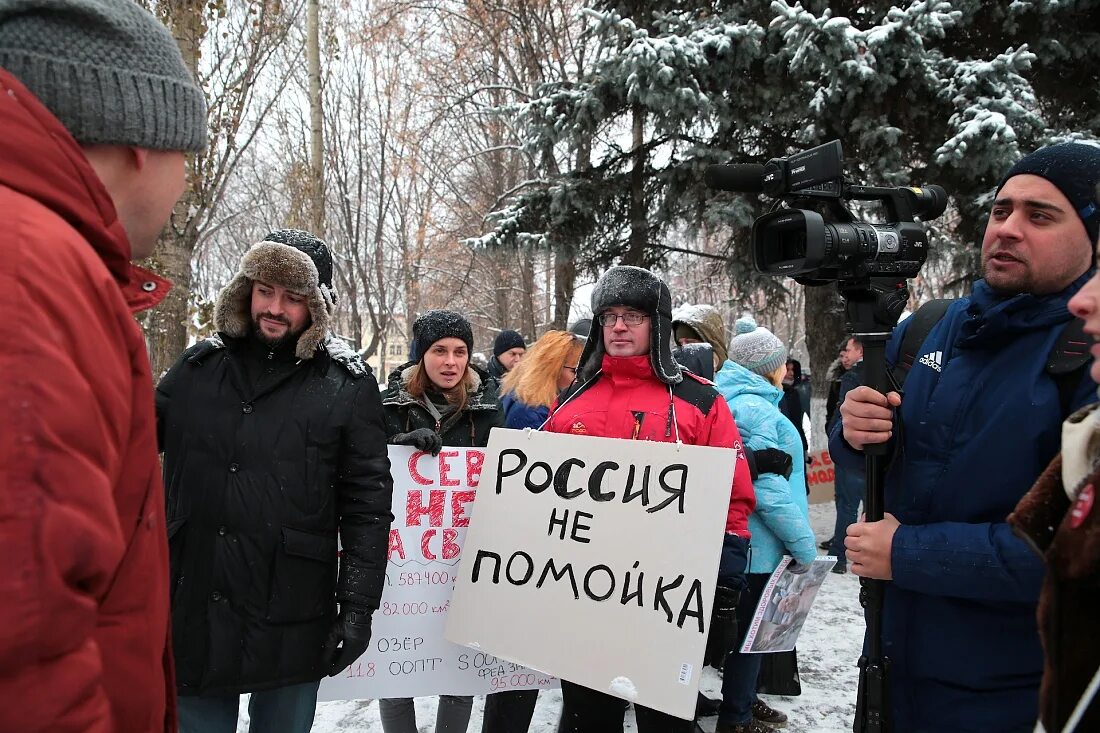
[348, 639]
[773, 460]
[424, 439]
[724, 629]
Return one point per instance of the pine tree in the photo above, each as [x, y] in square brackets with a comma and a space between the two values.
[918, 92]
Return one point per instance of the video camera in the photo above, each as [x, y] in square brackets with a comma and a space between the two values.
[817, 240]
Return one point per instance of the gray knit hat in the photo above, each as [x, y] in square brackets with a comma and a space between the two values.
[107, 69]
[756, 348]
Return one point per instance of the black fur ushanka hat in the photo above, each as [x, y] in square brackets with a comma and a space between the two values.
[638, 288]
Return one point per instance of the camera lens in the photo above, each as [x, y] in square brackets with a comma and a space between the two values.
[928, 202]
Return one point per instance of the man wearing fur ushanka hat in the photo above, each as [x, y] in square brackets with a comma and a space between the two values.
[290, 262]
[273, 442]
[629, 386]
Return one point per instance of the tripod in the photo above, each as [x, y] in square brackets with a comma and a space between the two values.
[872, 310]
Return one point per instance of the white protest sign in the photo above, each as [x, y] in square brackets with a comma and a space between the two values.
[595, 560]
[408, 656]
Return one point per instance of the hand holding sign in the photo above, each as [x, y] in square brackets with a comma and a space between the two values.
[424, 439]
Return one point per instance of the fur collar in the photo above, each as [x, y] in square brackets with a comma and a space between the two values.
[337, 349]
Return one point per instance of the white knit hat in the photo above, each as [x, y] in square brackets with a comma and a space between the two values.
[756, 348]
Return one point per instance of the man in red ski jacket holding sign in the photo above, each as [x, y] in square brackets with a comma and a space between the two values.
[629, 386]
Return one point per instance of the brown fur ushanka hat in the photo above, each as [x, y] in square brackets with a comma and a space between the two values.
[285, 265]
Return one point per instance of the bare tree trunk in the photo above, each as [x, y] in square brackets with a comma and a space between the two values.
[503, 297]
[166, 325]
[639, 222]
[411, 267]
[824, 331]
[316, 115]
[565, 279]
[527, 301]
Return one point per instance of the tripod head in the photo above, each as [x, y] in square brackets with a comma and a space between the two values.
[872, 307]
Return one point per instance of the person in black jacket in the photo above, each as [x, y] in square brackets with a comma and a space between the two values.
[833, 375]
[791, 404]
[439, 398]
[851, 483]
[273, 442]
[508, 349]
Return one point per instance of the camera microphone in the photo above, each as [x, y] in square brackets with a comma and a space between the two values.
[739, 177]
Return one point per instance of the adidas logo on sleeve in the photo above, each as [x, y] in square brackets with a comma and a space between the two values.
[933, 359]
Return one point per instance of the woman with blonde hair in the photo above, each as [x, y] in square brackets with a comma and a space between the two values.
[529, 390]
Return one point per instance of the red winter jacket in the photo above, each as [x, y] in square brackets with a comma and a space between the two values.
[83, 554]
[626, 387]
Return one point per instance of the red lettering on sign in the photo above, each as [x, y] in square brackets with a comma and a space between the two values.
[428, 534]
[459, 500]
[414, 509]
[444, 467]
[395, 545]
[450, 547]
[416, 475]
[474, 461]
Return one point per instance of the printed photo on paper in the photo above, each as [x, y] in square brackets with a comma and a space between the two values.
[784, 606]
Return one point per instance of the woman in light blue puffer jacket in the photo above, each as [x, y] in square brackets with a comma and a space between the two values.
[751, 380]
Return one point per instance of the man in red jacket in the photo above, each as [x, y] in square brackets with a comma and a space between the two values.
[629, 386]
[97, 109]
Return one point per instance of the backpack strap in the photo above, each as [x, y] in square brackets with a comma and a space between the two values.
[921, 324]
[1066, 361]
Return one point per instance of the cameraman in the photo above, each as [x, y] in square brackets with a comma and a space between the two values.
[980, 420]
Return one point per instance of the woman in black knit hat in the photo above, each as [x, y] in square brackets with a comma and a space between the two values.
[439, 398]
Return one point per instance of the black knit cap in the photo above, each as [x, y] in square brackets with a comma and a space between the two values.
[312, 246]
[1074, 169]
[440, 324]
[507, 340]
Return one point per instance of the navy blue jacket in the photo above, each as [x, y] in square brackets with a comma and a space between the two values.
[980, 421]
[520, 415]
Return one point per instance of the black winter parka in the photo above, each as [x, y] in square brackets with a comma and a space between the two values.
[265, 458]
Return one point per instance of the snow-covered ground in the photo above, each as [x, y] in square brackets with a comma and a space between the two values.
[827, 654]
